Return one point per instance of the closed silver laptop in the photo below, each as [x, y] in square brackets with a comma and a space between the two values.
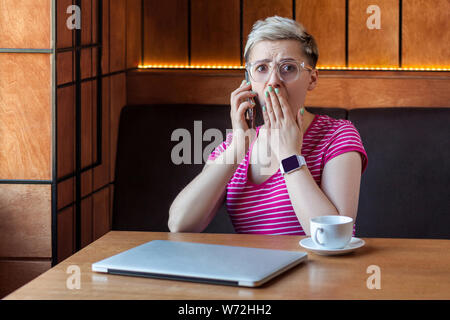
[199, 262]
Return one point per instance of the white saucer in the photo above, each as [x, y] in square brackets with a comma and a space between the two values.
[354, 244]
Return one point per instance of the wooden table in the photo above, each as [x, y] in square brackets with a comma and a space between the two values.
[409, 268]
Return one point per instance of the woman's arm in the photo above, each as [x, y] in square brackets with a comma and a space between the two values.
[338, 194]
[341, 180]
[195, 206]
[341, 176]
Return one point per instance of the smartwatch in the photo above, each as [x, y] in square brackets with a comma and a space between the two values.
[292, 163]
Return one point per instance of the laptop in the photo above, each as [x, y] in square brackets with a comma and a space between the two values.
[200, 262]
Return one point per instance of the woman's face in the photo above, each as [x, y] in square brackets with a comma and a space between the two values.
[295, 91]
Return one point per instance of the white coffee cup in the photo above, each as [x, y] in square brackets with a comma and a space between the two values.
[331, 232]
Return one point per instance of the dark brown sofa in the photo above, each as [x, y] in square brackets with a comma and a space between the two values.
[404, 191]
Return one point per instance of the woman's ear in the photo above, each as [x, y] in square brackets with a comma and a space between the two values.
[313, 78]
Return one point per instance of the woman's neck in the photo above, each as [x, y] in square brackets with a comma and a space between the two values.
[308, 118]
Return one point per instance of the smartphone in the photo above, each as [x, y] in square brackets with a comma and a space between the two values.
[250, 112]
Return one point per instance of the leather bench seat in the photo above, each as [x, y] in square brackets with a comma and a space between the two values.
[404, 191]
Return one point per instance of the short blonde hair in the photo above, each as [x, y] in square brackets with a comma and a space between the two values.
[280, 28]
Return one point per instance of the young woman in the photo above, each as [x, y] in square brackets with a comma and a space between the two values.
[315, 163]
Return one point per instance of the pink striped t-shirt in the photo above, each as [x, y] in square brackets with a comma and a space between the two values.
[266, 208]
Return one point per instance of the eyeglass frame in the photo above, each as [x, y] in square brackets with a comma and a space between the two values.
[301, 65]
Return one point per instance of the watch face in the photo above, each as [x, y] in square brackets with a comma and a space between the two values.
[290, 163]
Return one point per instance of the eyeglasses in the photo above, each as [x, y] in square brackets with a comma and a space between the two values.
[288, 71]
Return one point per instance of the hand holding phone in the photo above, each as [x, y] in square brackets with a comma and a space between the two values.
[250, 112]
[246, 117]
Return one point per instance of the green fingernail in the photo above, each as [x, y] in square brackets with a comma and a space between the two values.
[264, 108]
[266, 93]
[270, 89]
[248, 83]
[277, 91]
[302, 111]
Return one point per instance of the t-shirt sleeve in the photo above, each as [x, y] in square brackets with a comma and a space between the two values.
[346, 139]
[221, 147]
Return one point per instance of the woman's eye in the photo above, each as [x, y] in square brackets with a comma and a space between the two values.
[261, 68]
[288, 68]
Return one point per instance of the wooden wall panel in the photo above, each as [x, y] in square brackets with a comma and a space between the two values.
[65, 131]
[105, 37]
[344, 89]
[166, 34]
[26, 138]
[353, 92]
[25, 24]
[117, 41]
[117, 102]
[65, 67]
[101, 174]
[66, 193]
[87, 89]
[94, 61]
[86, 21]
[202, 87]
[86, 63]
[95, 216]
[111, 204]
[94, 5]
[94, 121]
[66, 233]
[134, 33]
[86, 182]
[64, 35]
[25, 228]
[215, 29]
[373, 47]
[25, 116]
[100, 213]
[16, 273]
[323, 19]
[114, 60]
[426, 34]
[254, 10]
[86, 221]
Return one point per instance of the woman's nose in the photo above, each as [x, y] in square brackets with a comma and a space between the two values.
[274, 81]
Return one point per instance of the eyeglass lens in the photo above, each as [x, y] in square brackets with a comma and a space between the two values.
[288, 71]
